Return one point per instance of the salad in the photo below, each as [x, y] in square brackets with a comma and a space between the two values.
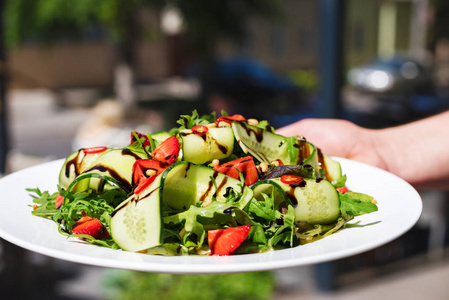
[211, 186]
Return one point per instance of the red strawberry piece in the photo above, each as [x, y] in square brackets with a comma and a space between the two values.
[342, 189]
[245, 165]
[144, 168]
[59, 201]
[146, 142]
[90, 226]
[94, 150]
[143, 184]
[168, 151]
[229, 119]
[226, 241]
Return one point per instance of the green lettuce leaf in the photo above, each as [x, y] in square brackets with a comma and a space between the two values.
[356, 204]
[188, 121]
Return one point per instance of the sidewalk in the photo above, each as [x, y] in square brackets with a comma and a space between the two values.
[38, 129]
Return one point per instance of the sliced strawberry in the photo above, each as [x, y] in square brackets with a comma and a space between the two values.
[245, 165]
[90, 226]
[59, 201]
[229, 119]
[143, 184]
[342, 189]
[94, 150]
[144, 168]
[225, 241]
[168, 151]
[146, 142]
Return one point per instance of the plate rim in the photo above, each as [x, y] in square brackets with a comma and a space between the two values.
[206, 264]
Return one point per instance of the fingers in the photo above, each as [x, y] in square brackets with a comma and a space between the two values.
[332, 136]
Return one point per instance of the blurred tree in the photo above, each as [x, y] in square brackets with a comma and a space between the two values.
[206, 23]
[441, 20]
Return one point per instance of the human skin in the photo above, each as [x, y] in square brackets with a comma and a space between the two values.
[418, 151]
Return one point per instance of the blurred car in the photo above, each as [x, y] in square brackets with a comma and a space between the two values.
[397, 74]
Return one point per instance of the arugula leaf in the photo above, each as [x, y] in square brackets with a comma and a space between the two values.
[138, 144]
[194, 220]
[75, 206]
[188, 121]
[340, 182]
[264, 209]
[356, 204]
[308, 233]
[285, 233]
[265, 125]
[190, 216]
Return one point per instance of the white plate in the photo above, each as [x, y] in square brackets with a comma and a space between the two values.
[399, 209]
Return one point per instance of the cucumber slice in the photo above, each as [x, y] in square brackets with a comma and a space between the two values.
[318, 202]
[307, 154]
[160, 136]
[185, 184]
[315, 201]
[217, 143]
[266, 146]
[271, 188]
[136, 224]
[116, 163]
[331, 167]
[75, 164]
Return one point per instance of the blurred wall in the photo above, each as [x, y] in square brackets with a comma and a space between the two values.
[291, 43]
[87, 64]
[367, 27]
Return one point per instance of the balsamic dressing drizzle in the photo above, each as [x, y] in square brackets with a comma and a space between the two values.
[209, 187]
[130, 153]
[228, 210]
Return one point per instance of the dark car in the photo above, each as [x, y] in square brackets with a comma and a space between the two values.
[400, 75]
[394, 88]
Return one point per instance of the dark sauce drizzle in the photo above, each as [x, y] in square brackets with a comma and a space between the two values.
[228, 191]
[258, 132]
[130, 153]
[304, 151]
[222, 184]
[209, 187]
[291, 195]
[73, 162]
[322, 163]
[113, 174]
[228, 210]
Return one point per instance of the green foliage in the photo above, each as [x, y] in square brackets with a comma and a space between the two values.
[307, 80]
[47, 20]
[53, 20]
[206, 21]
[127, 285]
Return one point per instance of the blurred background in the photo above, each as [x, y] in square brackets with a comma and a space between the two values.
[84, 73]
